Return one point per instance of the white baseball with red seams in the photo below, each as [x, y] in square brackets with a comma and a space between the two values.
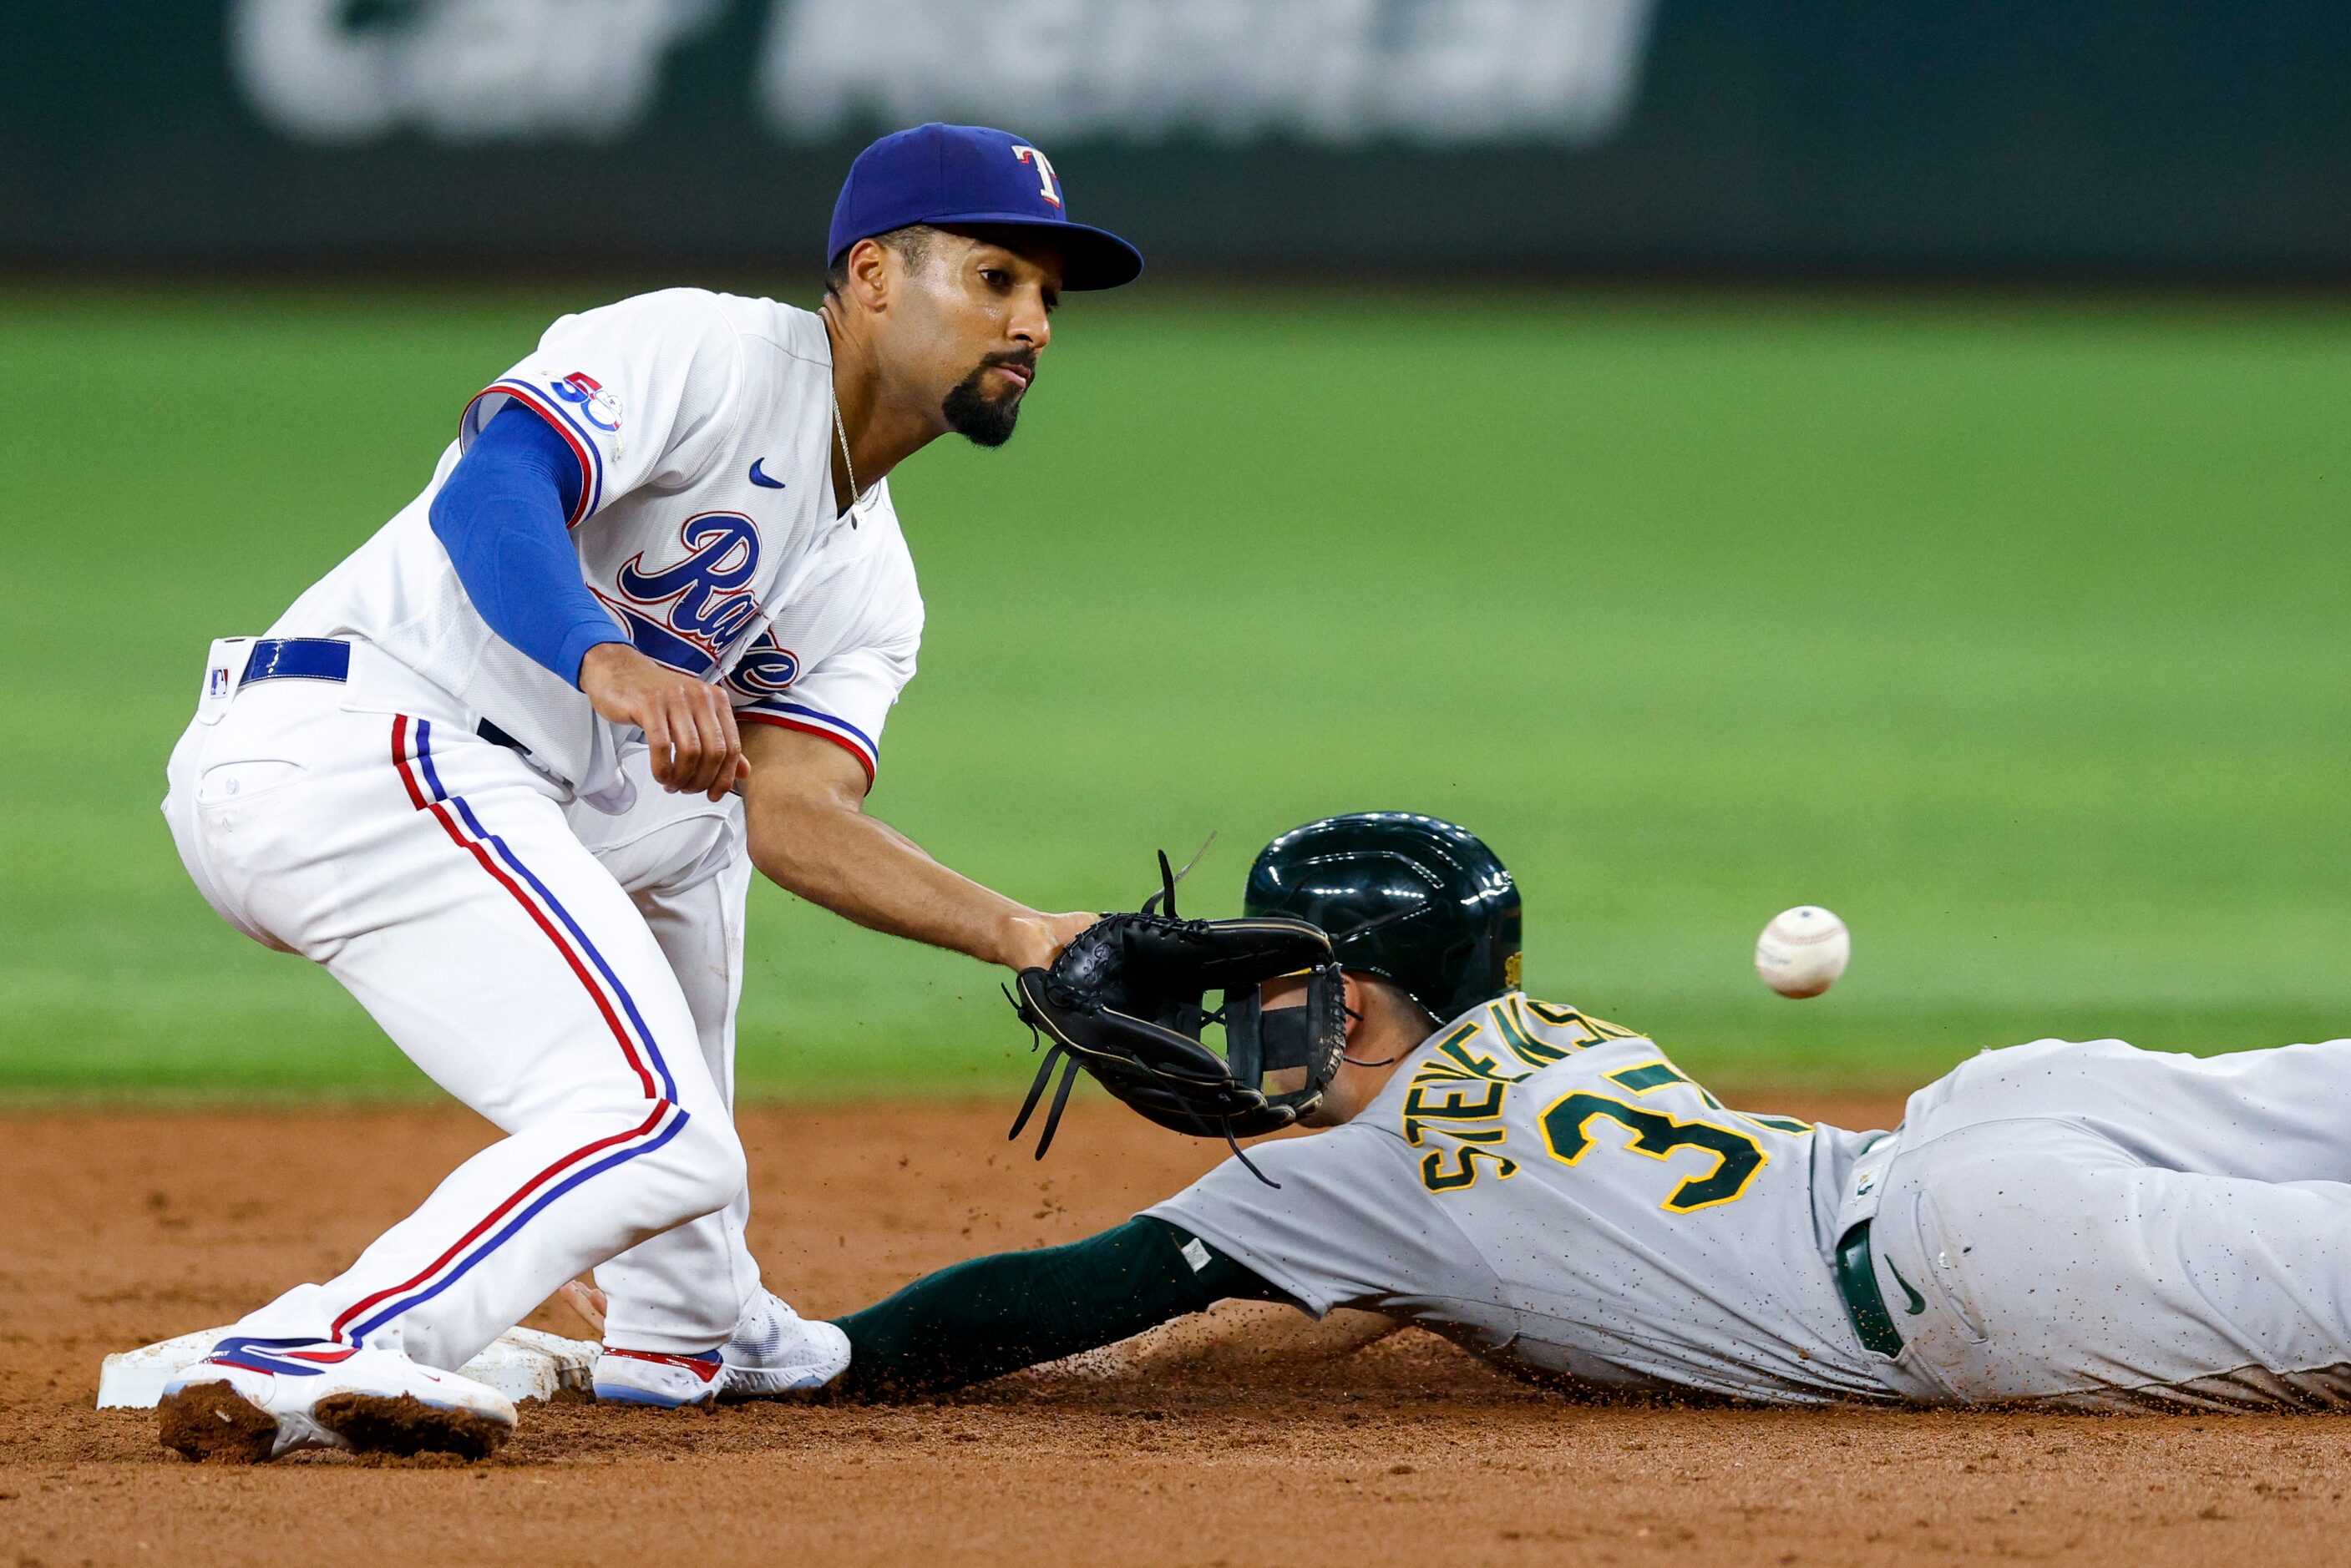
[1803, 951]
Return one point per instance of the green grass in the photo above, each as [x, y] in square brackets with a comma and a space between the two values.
[2012, 630]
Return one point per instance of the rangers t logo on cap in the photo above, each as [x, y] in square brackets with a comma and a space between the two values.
[1044, 171]
[970, 175]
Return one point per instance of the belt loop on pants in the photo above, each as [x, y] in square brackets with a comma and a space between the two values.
[1865, 1304]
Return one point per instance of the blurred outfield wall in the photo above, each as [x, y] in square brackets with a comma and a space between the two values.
[1996, 136]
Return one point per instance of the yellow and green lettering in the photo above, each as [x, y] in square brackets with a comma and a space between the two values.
[1647, 1076]
[1737, 1156]
[1438, 1178]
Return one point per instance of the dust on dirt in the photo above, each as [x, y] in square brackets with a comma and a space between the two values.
[123, 1229]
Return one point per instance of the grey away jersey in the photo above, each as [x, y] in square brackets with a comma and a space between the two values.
[1546, 1188]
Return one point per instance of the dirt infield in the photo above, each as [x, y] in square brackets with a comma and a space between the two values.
[119, 1229]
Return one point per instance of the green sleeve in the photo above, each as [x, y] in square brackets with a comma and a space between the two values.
[991, 1316]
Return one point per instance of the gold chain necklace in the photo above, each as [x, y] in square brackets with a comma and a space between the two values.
[847, 463]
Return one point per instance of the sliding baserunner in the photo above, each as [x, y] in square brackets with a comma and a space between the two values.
[2085, 1225]
[482, 771]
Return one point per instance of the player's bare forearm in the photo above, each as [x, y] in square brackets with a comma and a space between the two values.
[810, 835]
[688, 724]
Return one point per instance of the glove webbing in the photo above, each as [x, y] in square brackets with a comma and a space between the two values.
[1161, 902]
[1068, 1064]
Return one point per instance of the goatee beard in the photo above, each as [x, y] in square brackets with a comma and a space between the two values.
[972, 416]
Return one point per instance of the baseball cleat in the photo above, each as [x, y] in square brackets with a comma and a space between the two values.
[776, 1351]
[652, 1377]
[255, 1399]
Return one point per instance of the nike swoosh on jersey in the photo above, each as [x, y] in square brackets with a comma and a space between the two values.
[759, 477]
[1917, 1302]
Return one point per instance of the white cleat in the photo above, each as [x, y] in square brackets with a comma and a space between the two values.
[777, 1352]
[254, 1399]
[651, 1377]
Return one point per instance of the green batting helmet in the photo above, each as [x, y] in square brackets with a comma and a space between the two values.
[1410, 899]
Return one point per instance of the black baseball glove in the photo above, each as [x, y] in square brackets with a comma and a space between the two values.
[1126, 1000]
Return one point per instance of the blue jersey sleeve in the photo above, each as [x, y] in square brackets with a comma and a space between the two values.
[501, 516]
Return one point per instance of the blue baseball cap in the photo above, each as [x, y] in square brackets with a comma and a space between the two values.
[953, 175]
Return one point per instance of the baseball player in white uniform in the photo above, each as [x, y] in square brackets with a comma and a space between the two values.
[485, 773]
[2082, 1225]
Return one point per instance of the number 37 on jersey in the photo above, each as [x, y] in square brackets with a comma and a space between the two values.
[1459, 1107]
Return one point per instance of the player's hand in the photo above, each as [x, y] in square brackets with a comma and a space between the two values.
[1035, 940]
[689, 725]
[586, 1300]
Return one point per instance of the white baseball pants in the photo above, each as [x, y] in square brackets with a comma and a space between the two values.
[683, 861]
[2099, 1227]
[365, 826]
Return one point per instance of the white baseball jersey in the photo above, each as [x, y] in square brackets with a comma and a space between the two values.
[1549, 1189]
[2087, 1225]
[703, 424]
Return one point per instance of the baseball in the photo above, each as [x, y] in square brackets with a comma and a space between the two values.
[1802, 951]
